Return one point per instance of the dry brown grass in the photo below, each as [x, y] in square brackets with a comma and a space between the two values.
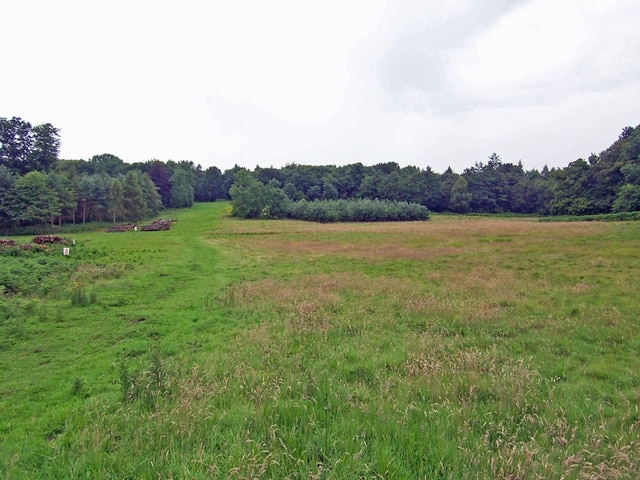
[404, 240]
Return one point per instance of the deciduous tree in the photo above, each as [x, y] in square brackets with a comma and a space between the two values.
[116, 200]
[182, 194]
[32, 201]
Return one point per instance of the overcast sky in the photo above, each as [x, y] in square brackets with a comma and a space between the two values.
[425, 83]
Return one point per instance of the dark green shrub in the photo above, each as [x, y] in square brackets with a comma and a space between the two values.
[362, 210]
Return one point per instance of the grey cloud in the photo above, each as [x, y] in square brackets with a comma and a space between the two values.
[412, 69]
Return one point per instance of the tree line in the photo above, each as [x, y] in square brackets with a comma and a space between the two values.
[605, 183]
[37, 187]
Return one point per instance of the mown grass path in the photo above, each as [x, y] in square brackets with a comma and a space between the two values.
[149, 286]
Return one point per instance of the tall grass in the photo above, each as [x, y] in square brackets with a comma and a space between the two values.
[457, 348]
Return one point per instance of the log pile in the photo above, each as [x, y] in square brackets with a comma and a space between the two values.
[48, 239]
[6, 243]
[158, 225]
[155, 226]
[125, 227]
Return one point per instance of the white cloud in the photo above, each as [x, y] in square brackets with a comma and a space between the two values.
[525, 51]
[546, 51]
[254, 82]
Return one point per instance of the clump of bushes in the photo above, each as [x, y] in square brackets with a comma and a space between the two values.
[599, 217]
[363, 210]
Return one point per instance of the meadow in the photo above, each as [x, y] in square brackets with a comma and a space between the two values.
[460, 347]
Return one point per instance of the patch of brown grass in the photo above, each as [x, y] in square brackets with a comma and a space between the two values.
[322, 290]
[466, 237]
[580, 288]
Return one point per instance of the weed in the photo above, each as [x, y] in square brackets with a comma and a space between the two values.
[147, 384]
[17, 327]
[81, 296]
[77, 388]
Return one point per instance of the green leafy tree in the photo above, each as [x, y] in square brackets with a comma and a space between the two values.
[247, 195]
[460, 196]
[329, 190]
[276, 202]
[486, 186]
[433, 194]
[631, 172]
[306, 178]
[292, 192]
[569, 189]
[265, 175]
[84, 194]
[116, 206]
[182, 193]
[348, 179]
[32, 201]
[106, 163]
[370, 185]
[628, 199]
[152, 203]
[161, 177]
[7, 183]
[100, 196]
[61, 188]
[447, 181]
[134, 201]
[314, 192]
[532, 195]
[402, 185]
[211, 186]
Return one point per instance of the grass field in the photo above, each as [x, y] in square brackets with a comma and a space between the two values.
[461, 347]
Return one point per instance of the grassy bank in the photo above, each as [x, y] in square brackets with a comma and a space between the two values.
[454, 348]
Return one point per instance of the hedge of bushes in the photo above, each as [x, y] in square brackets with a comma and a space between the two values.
[600, 217]
[362, 210]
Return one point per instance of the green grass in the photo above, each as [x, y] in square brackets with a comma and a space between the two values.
[462, 347]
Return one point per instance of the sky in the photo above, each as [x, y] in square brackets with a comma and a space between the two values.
[252, 82]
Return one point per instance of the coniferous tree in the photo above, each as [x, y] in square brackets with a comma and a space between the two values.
[46, 146]
[15, 144]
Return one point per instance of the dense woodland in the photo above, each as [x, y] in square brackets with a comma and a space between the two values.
[37, 187]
